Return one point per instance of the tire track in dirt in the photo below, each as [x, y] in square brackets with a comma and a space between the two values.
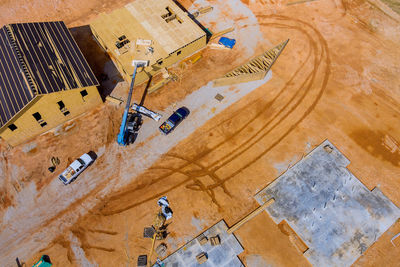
[250, 141]
[319, 44]
[326, 73]
[191, 175]
[233, 135]
[214, 148]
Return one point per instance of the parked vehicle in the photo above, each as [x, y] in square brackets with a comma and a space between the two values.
[76, 168]
[177, 117]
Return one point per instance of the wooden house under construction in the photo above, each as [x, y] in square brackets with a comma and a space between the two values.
[155, 30]
[44, 80]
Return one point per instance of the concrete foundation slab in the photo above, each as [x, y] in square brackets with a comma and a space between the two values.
[329, 208]
[224, 254]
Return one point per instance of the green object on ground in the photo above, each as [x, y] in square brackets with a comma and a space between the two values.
[43, 262]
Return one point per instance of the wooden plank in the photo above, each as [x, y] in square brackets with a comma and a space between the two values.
[218, 34]
[250, 216]
[114, 100]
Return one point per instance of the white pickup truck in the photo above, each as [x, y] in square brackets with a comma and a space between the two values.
[76, 168]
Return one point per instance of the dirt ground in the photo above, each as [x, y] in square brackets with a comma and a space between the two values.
[337, 79]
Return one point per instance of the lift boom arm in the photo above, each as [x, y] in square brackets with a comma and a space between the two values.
[147, 112]
[122, 130]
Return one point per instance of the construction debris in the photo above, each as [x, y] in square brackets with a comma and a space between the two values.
[255, 69]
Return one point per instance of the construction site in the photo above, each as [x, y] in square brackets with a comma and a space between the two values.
[182, 133]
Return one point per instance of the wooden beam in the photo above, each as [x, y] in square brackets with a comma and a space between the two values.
[216, 35]
[253, 214]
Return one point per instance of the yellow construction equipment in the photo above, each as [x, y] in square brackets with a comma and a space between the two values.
[159, 226]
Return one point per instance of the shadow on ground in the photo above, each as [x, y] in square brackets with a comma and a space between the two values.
[99, 61]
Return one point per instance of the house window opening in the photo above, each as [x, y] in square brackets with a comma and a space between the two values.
[83, 94]
[12, 127]
[39, 119]
[63, 109]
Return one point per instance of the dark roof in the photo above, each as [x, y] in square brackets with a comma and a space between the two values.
[14, 91]
[38, 58]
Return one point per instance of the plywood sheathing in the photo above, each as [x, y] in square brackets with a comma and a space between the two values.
[142, 19]
[170, 36]
[255, 69]
[38, 59]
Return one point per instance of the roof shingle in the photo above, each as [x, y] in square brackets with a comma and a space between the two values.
[38, 58]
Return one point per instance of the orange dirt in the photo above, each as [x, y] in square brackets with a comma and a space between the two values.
[337, 79]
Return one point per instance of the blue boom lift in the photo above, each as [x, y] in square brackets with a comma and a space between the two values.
[131, 121]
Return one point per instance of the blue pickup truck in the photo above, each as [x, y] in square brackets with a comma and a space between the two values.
[177, 117]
